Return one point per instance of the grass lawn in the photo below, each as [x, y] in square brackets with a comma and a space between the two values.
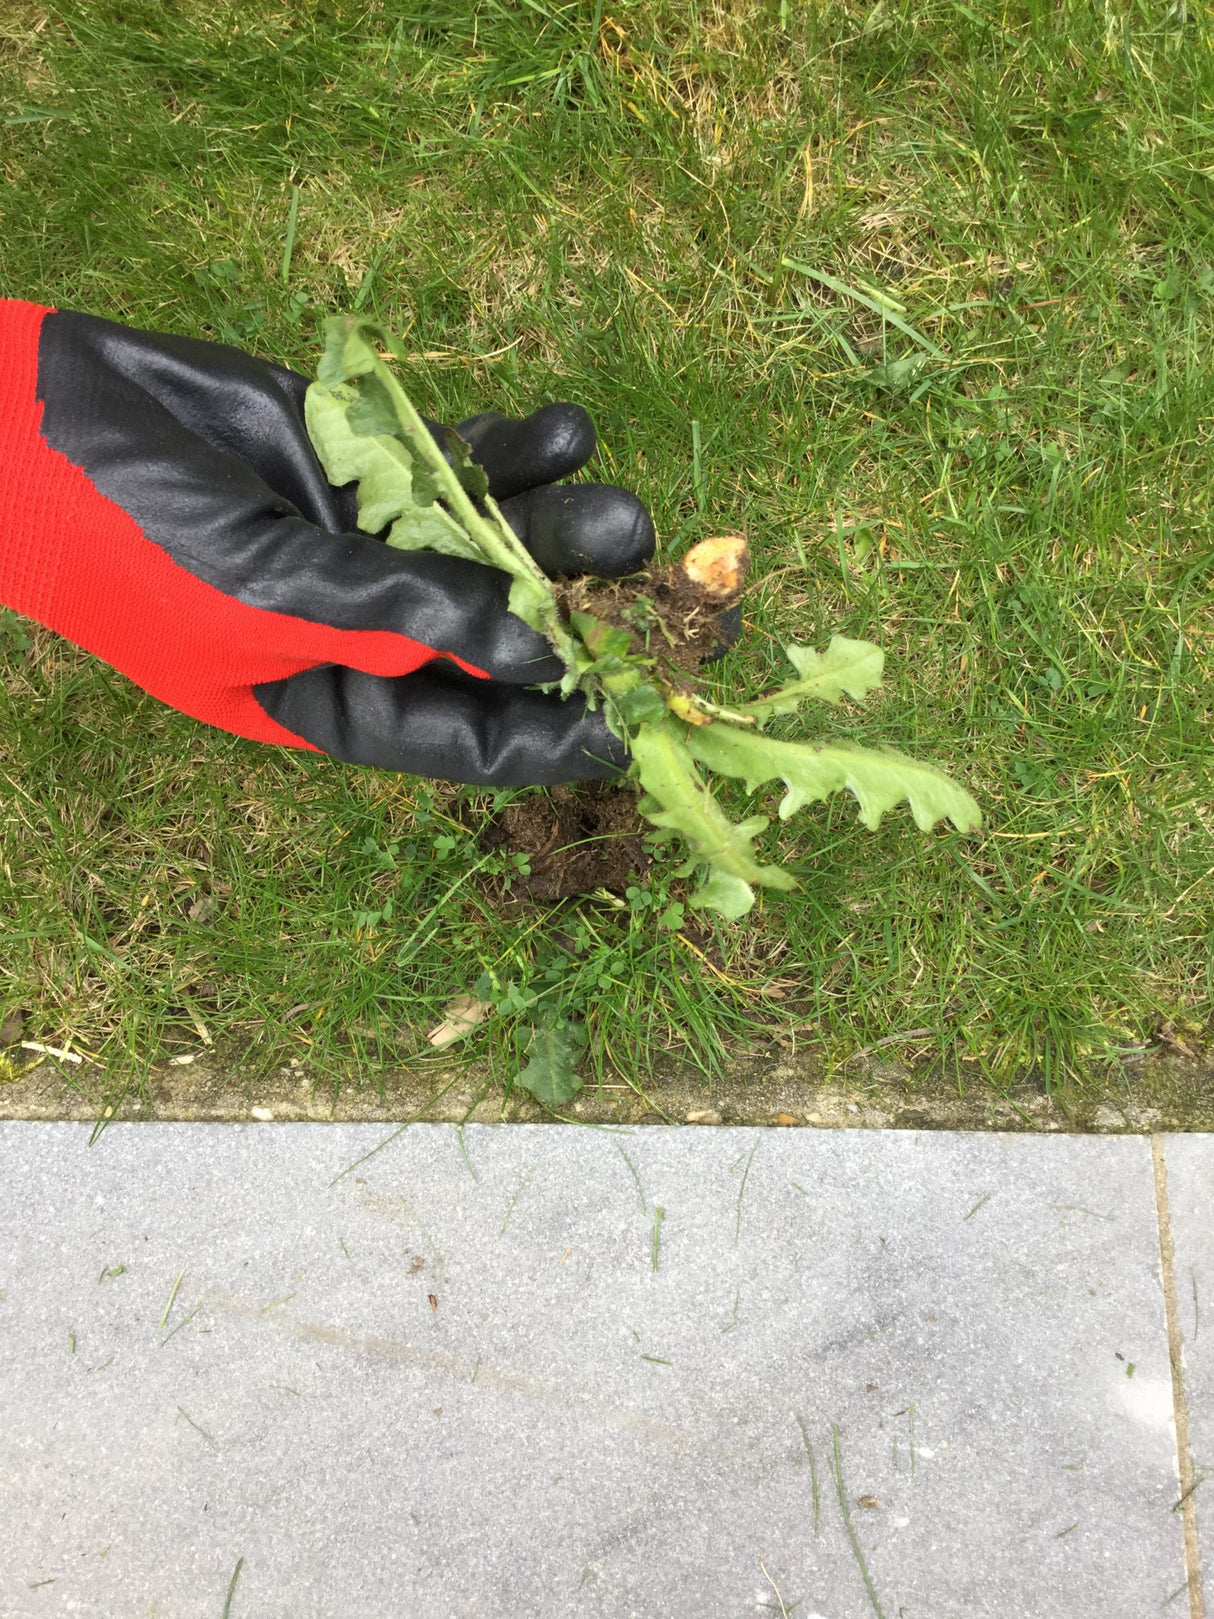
[917, 292]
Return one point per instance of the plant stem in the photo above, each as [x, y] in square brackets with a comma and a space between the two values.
[501, 544]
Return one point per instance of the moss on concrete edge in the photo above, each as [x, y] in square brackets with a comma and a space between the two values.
[1161, 1092]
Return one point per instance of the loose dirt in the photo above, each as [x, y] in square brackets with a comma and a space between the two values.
[669, 615]
[576, 839]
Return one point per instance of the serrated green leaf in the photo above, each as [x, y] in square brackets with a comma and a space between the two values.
[348, 348]
[425, 489]
[384, 471]
[846, 666]
[600, 639]
[372, 411]
[729, 896]
[879, 778]
[677, 801]
[642, 705]
[470, 524]
[531, 601]
[472, 476]
[421, 528]
[12, 631]
[554, 1052]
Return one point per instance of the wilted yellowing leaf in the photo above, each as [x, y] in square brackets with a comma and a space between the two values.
[460, 1016]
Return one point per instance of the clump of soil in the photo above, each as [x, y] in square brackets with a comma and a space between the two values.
[576, 839]
[681, 615]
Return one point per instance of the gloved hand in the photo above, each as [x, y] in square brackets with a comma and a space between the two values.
[161, 506]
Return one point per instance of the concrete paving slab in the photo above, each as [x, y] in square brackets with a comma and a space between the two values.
[1190, 1178]
[670, 1373]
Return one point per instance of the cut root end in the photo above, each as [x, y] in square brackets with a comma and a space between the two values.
[717, 567]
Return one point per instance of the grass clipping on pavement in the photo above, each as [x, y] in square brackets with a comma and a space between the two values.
[365, 428]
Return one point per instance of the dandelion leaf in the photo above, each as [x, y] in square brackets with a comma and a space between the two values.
[472, 476]
[878, 778]
[724, 893]
[677, 801]
[371, 410]
[531, 601]
[847, 666]
[384, 470]
[554, 1053]
[350, 347]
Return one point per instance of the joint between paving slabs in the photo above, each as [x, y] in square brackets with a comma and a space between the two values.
[1180, 1409]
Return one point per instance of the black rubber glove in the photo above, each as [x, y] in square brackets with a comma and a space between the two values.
[164, 509]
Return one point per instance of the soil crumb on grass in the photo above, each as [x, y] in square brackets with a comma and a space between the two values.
[576, 839]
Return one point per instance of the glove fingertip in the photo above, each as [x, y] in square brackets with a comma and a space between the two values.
[591, 529]
[566, 432]
[552, 442]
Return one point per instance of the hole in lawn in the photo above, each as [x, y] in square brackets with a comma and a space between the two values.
[575, 839]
